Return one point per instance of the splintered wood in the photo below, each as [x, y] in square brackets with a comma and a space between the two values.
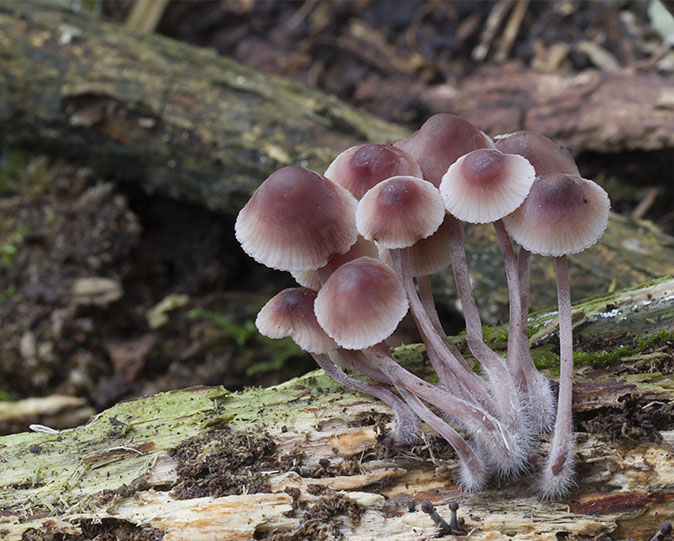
[310, 462]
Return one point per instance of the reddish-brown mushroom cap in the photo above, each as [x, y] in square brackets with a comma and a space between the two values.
[361, 167]
[361, 303]
[563, 214]
[399, 211]
[543, 153]
[440, 141]
[296, 220]
[485, 185]
[361, 248]
[291, 313]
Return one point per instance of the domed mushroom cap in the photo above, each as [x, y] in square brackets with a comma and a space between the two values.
[361, 167]
[291, 313]
[440, 141]
[563, 214]
[543, 153]
[400, 211]
[485, 185]
[361, 248]
[296, 220]
[361, 303]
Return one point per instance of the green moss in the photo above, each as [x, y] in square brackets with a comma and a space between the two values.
[546, 358]
[245, 334]
[10, 247]
[12, 164]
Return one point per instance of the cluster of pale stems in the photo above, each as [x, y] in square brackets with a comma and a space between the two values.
[363, 238]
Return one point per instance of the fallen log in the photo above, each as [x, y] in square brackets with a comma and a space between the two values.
[590, 111]
[187, 123]
[177, 119]
[307, 458]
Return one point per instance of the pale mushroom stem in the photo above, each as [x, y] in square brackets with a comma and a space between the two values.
[448, 368]
[473, 470]
[407, 428]
[524, 276]
[428, 302]
[347, 359]
[502, 383]
[501, 449]
[541, 402]
[558, 474]
[514, 305]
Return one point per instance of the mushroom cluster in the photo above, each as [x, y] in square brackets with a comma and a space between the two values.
[361, 241]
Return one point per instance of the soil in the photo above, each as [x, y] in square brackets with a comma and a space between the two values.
[84, 264]
[319, 519]
[106, 530]
[222, 463]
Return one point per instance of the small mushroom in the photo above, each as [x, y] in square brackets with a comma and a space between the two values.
[291, 313]
[296, 220]
[361, 303]
[440, 141]
[563, 214]
[484, 186]
[361, 167]
[547, 157]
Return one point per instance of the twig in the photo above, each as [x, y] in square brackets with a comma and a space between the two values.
[491, 26]
[646, 203]
[511, 30]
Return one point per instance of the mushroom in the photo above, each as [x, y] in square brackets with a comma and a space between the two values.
[396, 213]
[440, 141]
[361, 303]
[563, 214]
[361, 167]
[359, 306]
[484, 186]
[546, 157]
[296, 220]
[291, 313]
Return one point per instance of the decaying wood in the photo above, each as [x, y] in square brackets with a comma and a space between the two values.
[185, 122]
[57, 411]
[122, 465]
[178, 119]
[590, 111]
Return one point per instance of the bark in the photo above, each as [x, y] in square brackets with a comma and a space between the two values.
[177, 119]
[592, 110]
[119, 467]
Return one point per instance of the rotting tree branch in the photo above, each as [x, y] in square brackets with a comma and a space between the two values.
[308, 434]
